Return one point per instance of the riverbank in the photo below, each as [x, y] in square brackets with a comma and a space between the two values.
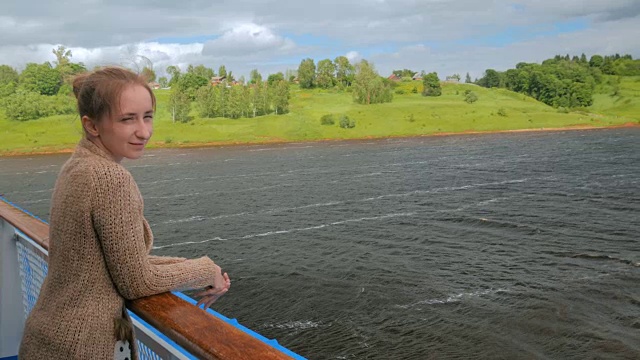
[409, 115]
[163, 145]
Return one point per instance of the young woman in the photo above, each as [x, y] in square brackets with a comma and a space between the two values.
[99, 240]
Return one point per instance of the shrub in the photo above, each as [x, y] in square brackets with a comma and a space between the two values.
[414, 90]
[400, 91]
[327, 120]
[470, 97]
[502, 112]
[347, 123]
[29, 105]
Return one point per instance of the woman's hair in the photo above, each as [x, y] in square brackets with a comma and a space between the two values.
[98, 92]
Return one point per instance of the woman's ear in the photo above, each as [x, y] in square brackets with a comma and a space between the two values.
[89, 126]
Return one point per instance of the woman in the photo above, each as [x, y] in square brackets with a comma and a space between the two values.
[99, 240]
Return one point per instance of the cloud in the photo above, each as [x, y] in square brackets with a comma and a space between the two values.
[435, 35]
[245, 40]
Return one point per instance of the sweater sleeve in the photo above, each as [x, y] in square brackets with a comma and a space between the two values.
[164, 260]
[117, 214]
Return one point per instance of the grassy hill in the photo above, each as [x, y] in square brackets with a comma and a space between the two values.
[408, 115]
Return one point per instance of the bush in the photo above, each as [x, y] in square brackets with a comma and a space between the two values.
[502, 112]
[470, 97]
[414, 90]
[327, 120]
[29, 105]
[400, 91]
[347, 123]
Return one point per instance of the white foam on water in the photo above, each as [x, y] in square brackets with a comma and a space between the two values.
[286, 231]
[267, 211]
[173, 196]
[34, 201]
[293, 325]
[453, 298]
[189, 243]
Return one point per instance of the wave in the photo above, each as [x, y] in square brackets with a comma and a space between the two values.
[453, 298]
[293, 325]
[286, 231]
[605, 257]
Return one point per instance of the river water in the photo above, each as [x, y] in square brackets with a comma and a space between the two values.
[503, 246]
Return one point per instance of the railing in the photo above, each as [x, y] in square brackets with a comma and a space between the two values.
[167, 326]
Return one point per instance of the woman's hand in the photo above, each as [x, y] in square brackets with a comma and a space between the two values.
[221, 284]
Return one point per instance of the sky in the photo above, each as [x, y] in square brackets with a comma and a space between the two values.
[445, 36]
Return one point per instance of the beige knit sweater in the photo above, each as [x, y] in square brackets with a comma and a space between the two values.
[98, 257]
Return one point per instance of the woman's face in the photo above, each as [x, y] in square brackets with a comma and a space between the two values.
[125, 134]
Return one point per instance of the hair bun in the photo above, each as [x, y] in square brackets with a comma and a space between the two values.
[78, 83]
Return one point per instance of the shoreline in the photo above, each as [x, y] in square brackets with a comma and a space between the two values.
[162, 145]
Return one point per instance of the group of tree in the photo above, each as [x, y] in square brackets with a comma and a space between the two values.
[367, 86]
[248, 101]
[224, 100]
[40, 89]
[562, 81]
[339, 72]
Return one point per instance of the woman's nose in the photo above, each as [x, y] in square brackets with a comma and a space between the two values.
[144, 130]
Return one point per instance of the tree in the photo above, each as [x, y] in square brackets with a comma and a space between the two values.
[307, 74]
[179, 105]
[325, 77]
[40, 78]
[255, 77]
[8, 75]
[148, 74]
[63, 56]
[490, 79]
[467, 79]
[174, 72]
[189, 83]
[163, 81]
[203, 71]
[275, 78]
[369, 87]
[596, 61]
[222, 71]
[404, 73]
[431, 84]
[345, 72]
[281, 97]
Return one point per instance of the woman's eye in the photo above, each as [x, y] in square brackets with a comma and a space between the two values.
[127, 119]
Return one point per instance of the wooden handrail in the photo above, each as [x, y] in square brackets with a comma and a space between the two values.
[198, 332]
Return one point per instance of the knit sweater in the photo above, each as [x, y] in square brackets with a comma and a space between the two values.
[99, 243]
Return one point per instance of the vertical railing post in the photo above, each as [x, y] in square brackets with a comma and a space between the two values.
[11, 309]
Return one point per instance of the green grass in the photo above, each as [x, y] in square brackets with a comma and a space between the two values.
[625, 104]
[408, 115]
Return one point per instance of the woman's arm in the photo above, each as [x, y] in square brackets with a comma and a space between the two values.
[164, 260]
[118, 221]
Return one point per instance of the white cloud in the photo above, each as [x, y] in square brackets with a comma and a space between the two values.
[273, 36]
[247, 39]
[353, 56]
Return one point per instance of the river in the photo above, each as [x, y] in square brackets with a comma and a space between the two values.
[497, 246]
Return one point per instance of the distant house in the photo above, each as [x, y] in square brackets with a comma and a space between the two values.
[217, 80]
[417, 76]
[394, 77]
[452, 79]
[154, 85]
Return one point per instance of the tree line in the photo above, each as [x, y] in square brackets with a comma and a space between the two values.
[562, 81]
[40, 89]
